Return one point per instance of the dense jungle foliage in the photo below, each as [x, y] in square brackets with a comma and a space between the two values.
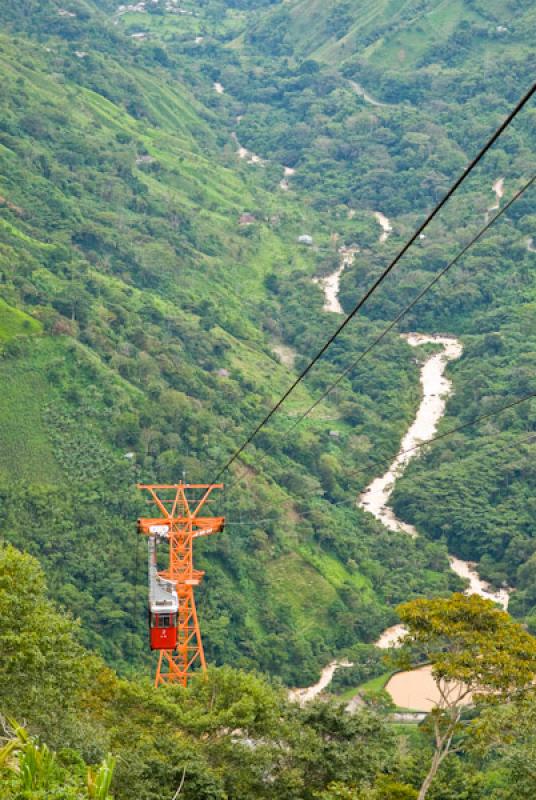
[233, 735]
[149, 278]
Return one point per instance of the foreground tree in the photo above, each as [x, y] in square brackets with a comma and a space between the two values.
[43, 668]
[507, 735]
[479, 656]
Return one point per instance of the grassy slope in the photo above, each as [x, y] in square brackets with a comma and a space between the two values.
[422, 31]
[194, 182]
[372, 687]
[27, 453]
[14, 322]
[216, 194]
[397, 34]
[309, 25]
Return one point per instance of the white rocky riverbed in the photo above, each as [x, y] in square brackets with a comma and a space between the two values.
[252, 158]
[362, 92]
[498, 188]
[310, 692]
[435, 389]
[385, 224]
[284, 183]
[331, 283]
[374, 499]
[243, 152]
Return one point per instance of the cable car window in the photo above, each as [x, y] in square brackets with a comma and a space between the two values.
[164, 621]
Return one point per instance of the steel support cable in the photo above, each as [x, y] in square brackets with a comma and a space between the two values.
[351, 501]
[467, 171]
[444, 435]
[397, 319]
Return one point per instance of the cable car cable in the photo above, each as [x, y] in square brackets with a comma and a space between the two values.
[398, 318]
[349, 501]
[526, 439]
[445, 434]
[467, 171]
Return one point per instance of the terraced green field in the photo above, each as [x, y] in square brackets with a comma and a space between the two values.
[26, 454]
[398, 34]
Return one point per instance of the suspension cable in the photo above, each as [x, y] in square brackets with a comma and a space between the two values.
[467, 171]
[418, 446]
[396, 320]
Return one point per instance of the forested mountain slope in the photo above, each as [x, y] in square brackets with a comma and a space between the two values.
[158, 166]
[139, 315]
[138, 321]
[394, 35]
[425, 111]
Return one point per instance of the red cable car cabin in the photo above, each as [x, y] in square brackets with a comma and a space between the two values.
[163, 631]
[163, 606]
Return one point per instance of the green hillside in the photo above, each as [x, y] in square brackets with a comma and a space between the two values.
[229, 734]
[142, 318]
[155, 301]
[143, 315]
[397, 35]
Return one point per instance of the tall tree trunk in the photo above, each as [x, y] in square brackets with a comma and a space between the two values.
[434, 766]
[443, 742]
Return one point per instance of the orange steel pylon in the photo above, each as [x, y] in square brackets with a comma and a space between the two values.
[180, 524]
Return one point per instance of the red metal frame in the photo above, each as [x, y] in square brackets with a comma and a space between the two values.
[180, 512]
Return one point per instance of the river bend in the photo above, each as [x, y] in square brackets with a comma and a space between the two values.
[374, 499]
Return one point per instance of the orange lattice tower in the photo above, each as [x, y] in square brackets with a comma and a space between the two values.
[179, 524]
